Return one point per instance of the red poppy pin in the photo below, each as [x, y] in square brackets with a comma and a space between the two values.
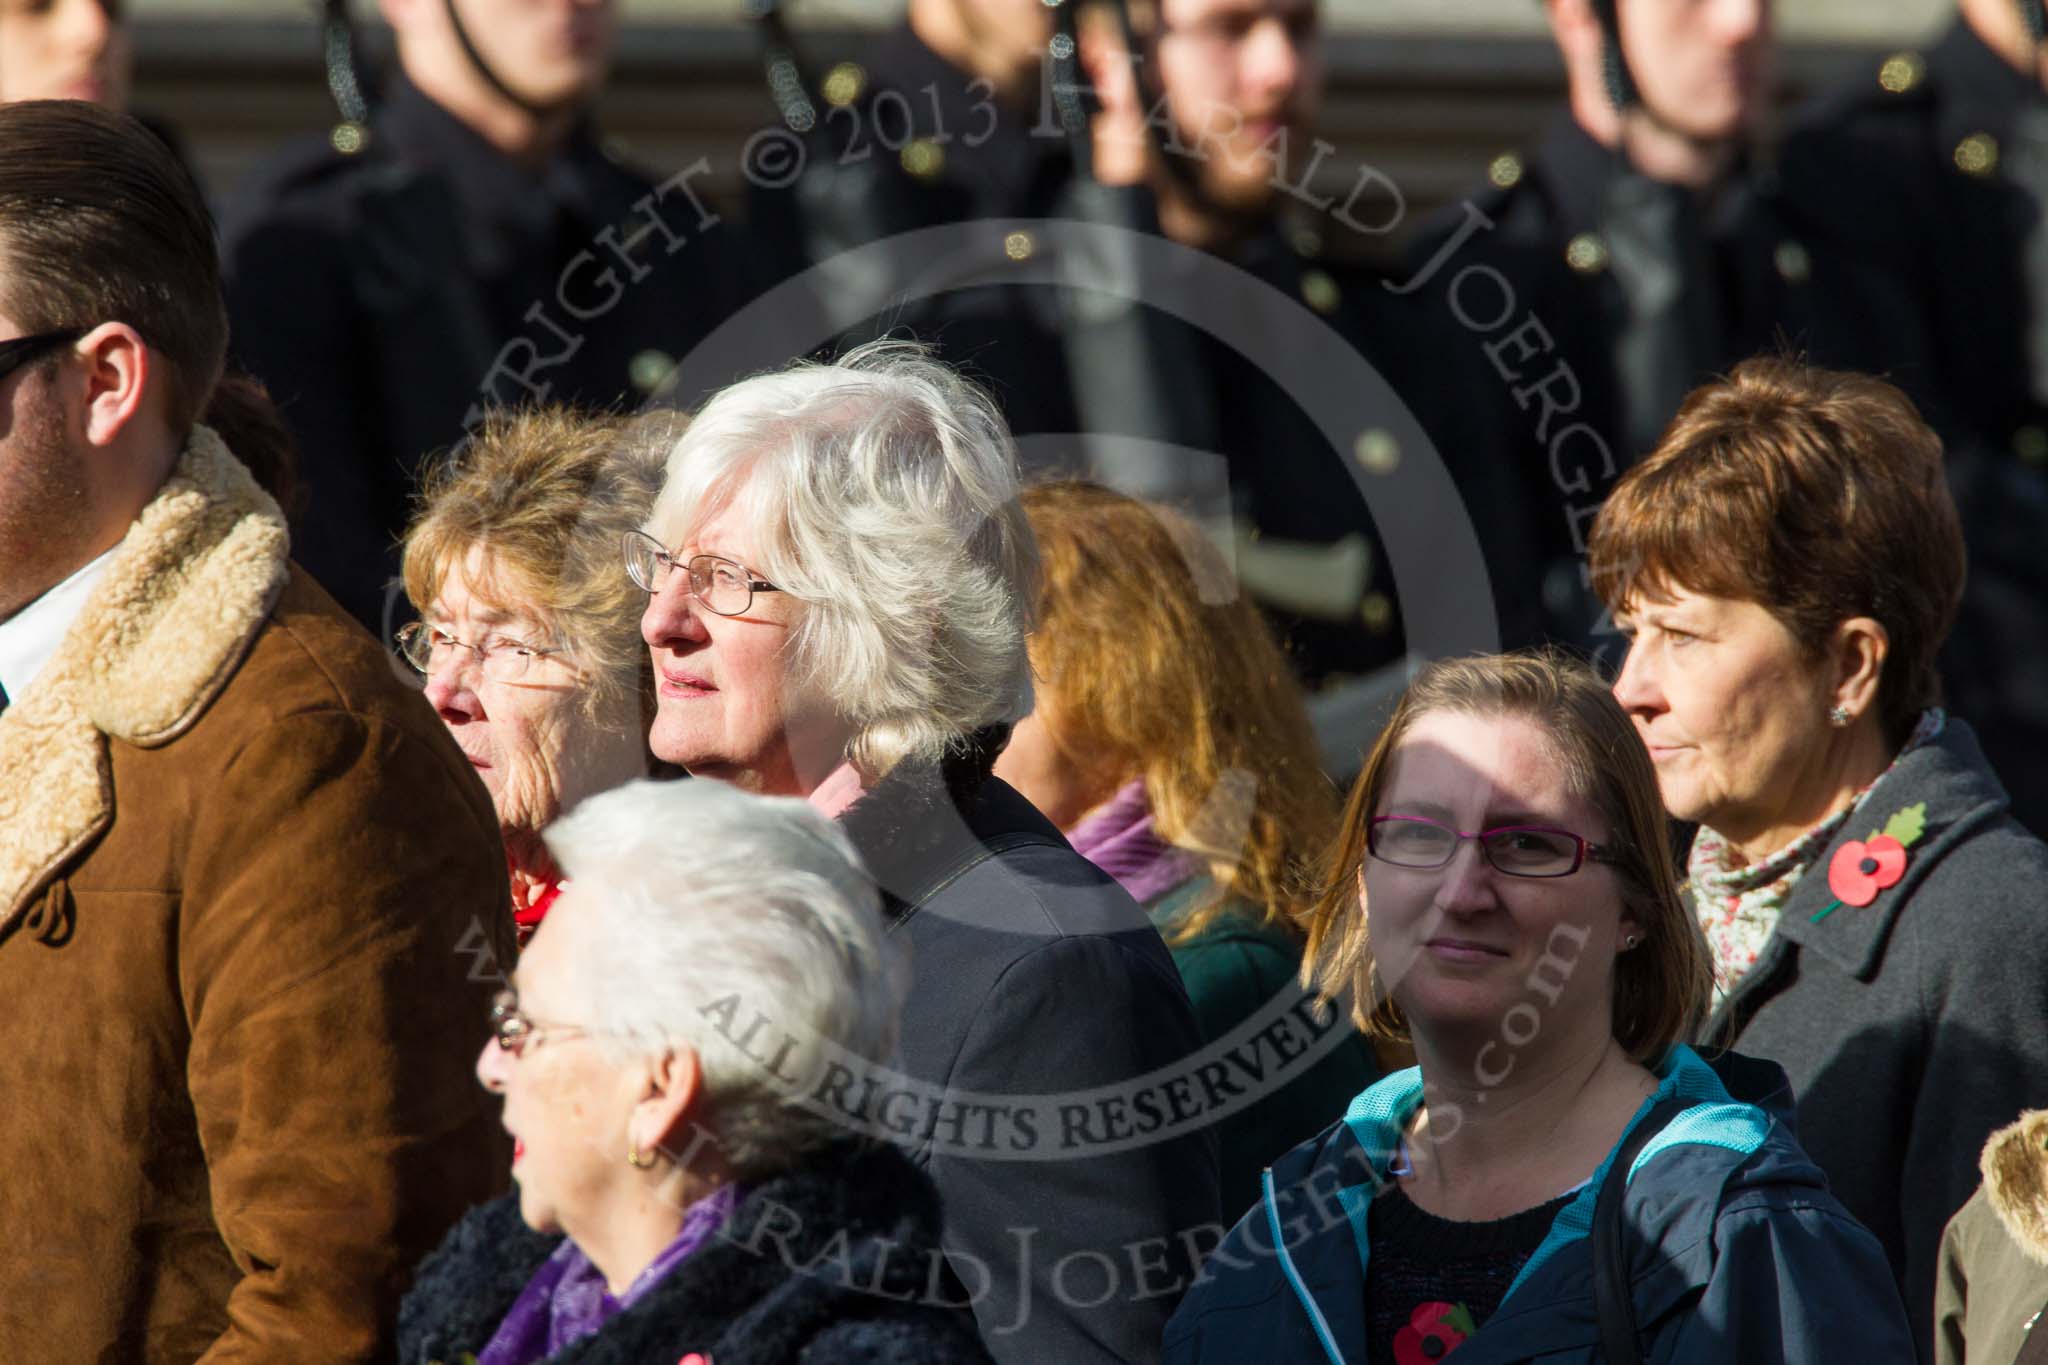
[1434, 1330]
[1863, 867]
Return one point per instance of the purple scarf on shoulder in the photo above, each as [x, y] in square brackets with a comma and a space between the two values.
[1119, 838]
[567, 1299]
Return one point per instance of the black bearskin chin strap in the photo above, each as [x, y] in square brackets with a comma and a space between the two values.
[338, 56]
[492, 79]
[1621, 83]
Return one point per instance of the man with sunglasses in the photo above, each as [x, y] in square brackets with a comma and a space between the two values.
[245, 876]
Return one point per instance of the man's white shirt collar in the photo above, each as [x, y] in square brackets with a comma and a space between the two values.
[31, 636]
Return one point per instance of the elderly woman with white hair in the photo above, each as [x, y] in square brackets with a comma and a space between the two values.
[840, 575]
[679, 1197]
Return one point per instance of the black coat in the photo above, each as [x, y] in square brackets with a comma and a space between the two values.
[1916, 1025]
[1914, 177]
[1036, 981]
[1308, 494]
[1633, 293]
[389, 295]
[828, 1264]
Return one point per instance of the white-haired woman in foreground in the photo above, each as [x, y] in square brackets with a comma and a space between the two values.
[840, 578]
[678, 1198]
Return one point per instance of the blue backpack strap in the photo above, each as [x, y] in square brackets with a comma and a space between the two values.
[1612, 1300]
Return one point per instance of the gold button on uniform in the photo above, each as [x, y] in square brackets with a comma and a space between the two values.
[1319, 291]
[1586, 253]
[1902, 71]
[648, 369]
[1977, 154]
[1377, 612]
[349, 138]
[1794, 265]
[2030, 443]
[924, 158]
[1376, 451]
[843, 84]
[1018, 246]
[1506, 170]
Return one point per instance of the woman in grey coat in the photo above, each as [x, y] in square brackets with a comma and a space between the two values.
[1785, 567]
[839, 577]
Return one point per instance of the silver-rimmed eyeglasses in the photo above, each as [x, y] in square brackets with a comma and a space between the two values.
[515, 1029]
[1518, 850]
[503, 658]
[725, 587]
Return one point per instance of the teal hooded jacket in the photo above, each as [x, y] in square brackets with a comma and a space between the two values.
[1736, 1251]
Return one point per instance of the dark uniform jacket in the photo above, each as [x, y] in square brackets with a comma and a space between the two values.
[390, 293]
[1734, 1251]
[914, 142]
[1639, 290]
[1911, 1027]
[828, 1262]
[1044, 1026]
[1207, 413]
[1929, 178]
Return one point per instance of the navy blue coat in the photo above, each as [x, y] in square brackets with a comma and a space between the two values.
[829, 1263]
[1736, 1252]
[1041, 997]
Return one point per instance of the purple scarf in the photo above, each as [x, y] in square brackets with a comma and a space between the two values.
[1118, 837]
[566, 1300]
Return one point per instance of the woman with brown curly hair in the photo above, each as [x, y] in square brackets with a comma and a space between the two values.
[529, 631]
[1170, 744]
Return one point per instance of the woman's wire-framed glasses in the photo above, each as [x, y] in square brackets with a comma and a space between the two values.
[504, 658]
[725, 586]
[515, 1029]
[1413, 841]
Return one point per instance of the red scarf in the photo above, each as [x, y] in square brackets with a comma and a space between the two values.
[527, 918]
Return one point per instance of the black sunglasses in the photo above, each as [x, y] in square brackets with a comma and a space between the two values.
[16, 352]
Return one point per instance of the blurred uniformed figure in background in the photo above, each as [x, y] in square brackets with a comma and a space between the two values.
[65, 50]
[469, 242]
[1931, 171]
[1203, 135]
[1137, 398]
[72, 50]
[946, 123]
[1646, 233]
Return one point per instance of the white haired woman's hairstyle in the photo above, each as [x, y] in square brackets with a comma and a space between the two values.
[882, 493]
[709, 906]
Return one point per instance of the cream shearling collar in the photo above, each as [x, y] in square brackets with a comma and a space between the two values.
[164, 630]
[2015, 1167]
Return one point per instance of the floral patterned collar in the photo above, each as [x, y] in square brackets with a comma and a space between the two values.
[1738, 907]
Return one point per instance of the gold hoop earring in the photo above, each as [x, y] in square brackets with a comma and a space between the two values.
[638, 1159]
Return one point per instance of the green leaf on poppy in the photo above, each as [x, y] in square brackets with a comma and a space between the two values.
[1909, 824]
[1459, 1319]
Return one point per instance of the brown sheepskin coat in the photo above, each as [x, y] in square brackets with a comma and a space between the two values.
[245, 877]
